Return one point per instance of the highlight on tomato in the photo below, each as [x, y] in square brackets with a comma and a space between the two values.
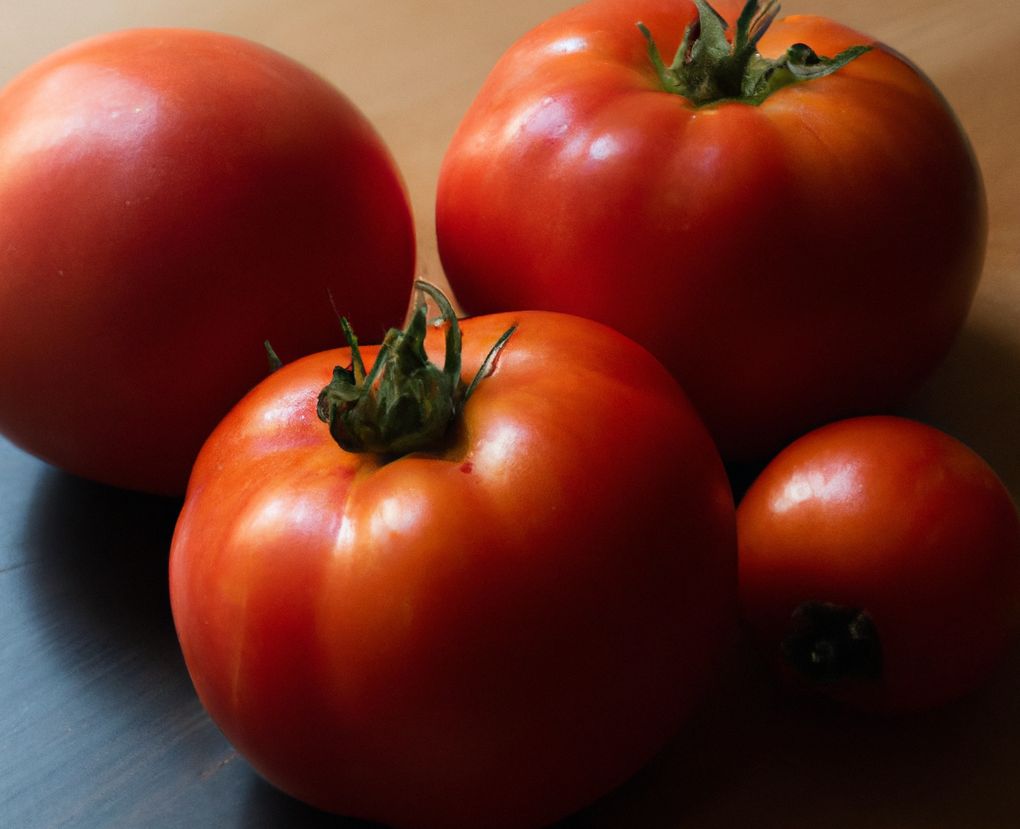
[783, 210]
[879, 563]
[169, 199]
[476, 592]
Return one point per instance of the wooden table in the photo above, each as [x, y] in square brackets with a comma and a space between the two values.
[99, 726]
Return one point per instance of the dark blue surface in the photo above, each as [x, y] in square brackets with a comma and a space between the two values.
[100, 727]
[99, 724]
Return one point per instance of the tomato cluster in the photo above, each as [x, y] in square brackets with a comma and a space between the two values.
[476, 573]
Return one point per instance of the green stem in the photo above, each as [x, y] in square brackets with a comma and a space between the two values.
[708, 68]
[404, 403]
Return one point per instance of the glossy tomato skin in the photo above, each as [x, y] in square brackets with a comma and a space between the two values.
[898, 519]
[805, 259]
[168, 200]
[491, 635]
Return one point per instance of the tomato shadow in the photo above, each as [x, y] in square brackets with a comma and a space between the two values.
[110, 724]
[741, 476]
[975, 396]
[99, 557]
[267, 808]
[98, 635]
[759, 756]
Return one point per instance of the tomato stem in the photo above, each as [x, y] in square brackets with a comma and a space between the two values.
[828, 643]
[274, 362]
[404, 403]
[707, 68]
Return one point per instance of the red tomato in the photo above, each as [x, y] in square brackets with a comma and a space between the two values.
[880, 562]
[491, 633]
[792, 260]
[168, 200]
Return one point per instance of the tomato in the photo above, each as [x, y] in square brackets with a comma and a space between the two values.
[489, 632]
[879, 561]
[169, 199]
[796, 256]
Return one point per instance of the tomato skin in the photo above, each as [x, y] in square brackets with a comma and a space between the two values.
[493, 635]
[809, 258]
[903, 521]
[170, 199]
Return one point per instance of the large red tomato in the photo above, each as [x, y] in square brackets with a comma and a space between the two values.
[491, 632]
[168, 200]
[880, 563]
[794, 251]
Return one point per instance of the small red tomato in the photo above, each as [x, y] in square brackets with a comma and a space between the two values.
[170, 198]
[880, 562]
[480, 622]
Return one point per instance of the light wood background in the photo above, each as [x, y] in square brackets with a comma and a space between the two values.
[413, 67]
[755, 759]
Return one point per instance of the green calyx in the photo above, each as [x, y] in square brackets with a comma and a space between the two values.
[405, 403]
[709, 68]
[829, 643]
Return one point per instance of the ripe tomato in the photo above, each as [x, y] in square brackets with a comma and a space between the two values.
[880, 562]
[168, 200]
[792, 256]
[489, 633]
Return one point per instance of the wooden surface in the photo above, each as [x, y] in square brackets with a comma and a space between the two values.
[99, 726]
